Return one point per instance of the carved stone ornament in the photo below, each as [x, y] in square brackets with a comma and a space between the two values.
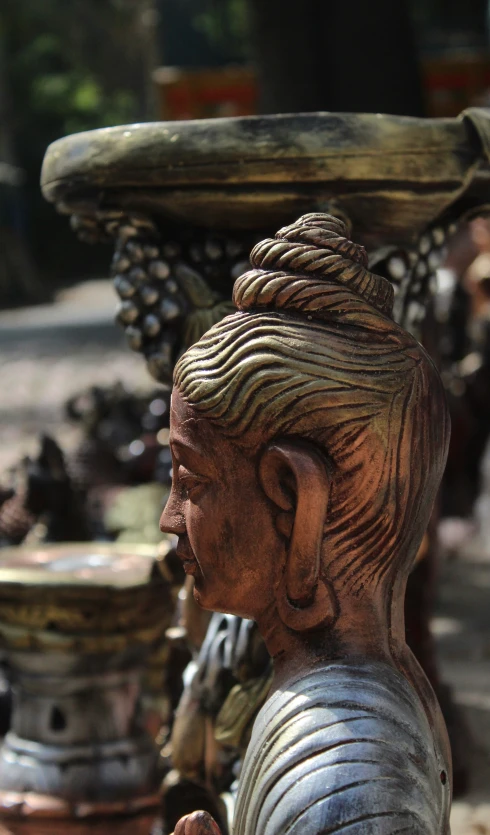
[185, 201]
[309, 435]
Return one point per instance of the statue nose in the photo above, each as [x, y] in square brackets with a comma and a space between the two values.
[172, 518]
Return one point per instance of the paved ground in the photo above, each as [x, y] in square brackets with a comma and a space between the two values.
[51, 352]
[46, 354]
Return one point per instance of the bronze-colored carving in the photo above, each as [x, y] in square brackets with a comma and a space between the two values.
[309, 434]
[231, 679]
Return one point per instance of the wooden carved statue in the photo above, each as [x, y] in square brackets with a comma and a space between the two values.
[309, 434]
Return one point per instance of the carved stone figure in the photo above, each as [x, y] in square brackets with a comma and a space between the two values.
[309, 434]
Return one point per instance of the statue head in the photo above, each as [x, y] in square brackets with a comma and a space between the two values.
[309, 434]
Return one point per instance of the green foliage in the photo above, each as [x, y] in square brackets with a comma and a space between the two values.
[79, 101]
[73, 65]
[66, 66]
[224, 22]
[61, 56]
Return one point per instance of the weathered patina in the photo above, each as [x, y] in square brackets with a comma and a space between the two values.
[185, 201]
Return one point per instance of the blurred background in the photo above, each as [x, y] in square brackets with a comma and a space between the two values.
[71, 392]
[72, 65]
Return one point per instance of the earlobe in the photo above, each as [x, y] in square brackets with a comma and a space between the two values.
[321, 611]
[295, 478]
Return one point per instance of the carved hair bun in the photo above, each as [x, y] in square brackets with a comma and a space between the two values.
[288, 268]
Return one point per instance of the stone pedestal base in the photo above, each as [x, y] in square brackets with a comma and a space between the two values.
[78, 624]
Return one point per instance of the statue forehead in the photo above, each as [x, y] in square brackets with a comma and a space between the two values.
[179, 408]
[190, 428]
[185, 423]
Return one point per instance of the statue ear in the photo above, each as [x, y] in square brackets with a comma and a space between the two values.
[295, 478]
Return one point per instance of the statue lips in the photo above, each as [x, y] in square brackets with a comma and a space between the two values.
[186, 555]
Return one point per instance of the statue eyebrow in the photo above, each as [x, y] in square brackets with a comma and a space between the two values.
[185, 448]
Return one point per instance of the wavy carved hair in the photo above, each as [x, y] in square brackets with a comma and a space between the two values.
[313, 354]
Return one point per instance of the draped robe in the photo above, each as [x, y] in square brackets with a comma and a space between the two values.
[348, 750]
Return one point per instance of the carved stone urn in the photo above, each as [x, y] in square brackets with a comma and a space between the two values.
[77, 625]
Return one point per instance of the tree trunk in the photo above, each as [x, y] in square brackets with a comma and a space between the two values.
[324, 55]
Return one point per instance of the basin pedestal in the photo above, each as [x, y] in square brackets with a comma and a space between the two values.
[78, 624]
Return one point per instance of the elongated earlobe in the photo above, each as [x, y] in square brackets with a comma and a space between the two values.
[321, 611]
[295, 478]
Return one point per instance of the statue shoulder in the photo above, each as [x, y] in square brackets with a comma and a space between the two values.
[346, 749]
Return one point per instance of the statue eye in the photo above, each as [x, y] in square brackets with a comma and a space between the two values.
[191, 483]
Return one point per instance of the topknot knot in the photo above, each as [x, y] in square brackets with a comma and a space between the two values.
[314, 247]
[325, 232]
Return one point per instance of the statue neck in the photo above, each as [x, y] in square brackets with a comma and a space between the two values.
[365, 630]
[361, 631]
